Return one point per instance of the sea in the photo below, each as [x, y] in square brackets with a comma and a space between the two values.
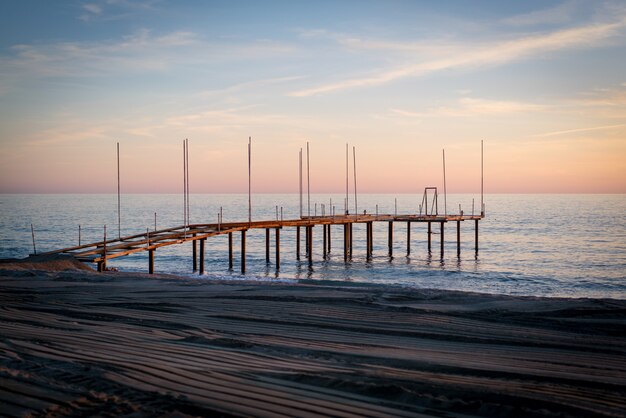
[547, 245]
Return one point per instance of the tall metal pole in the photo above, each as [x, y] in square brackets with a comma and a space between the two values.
[187, 175]
[308, 179]
[300, 182]
[356, 209]
[482, 203]
[249, 189]
[184, 189]
[347, 173]
[119, 216]
[445, 200]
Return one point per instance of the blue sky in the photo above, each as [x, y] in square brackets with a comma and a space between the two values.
[542, 82]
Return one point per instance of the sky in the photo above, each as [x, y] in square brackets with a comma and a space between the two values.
[542, 83]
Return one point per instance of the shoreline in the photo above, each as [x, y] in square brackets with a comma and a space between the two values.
[121, 343]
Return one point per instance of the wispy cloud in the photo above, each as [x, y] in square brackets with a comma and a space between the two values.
[467, 106]
[579, 130]
[561, 13]
[139, 52]
[476, 55]
[250, 85]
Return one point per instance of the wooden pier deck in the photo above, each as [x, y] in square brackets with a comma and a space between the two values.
[107, 249]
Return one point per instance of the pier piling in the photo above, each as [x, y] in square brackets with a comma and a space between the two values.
[408, 238]
[267, 245]
[298, 243]
[150, 262]
[230, 250]
[277, 249]
[243, 251]
[441, 223]
[430, 233]
[202, 256]
[390, 238]
[458, 238]
[195, 254]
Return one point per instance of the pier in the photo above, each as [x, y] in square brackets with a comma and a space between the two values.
[101, 252]
[107, 249]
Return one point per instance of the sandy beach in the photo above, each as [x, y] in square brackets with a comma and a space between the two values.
[78, 343]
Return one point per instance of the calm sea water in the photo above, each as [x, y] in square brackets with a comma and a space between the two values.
[539, 245]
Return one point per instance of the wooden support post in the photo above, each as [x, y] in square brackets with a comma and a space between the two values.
[267, 245]
[243, 251]
[458, 238]
[324, 242]
[430, 234]
[345, 242]
[371, 239]
[202, 256]
[441, 239]
[408, 238]
[310, 244]
[298, 243]
[151, 261]
[230, 250]
[277, 249]
[195, 255]
[476, 235]
[100, 269]
[390, 238]
[368, 240]
[306, 240]
[329, 240]
[350, 239]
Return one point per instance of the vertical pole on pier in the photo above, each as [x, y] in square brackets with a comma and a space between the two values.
[430, 234]
[202, 256]
[184, 189]
[408, 238]
[324, 243]
[300, 183]
[150, 262]
[277, 249]
[119, 216]
[308, 179]
[79, 234]
[155, 221]
[476, 235]
[298, 243]
[230, 250]
[310, 245]
[187, 176]
[347, 174]
[243, 251]
[445, 194]
[267, 245]
[195, 254]
[390, 238]
[458, 238]
[441, 239]
[482, 202]
[345, 242]
[249, 183]
[356, 208]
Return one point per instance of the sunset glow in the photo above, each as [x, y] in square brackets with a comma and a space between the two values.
[543, 83]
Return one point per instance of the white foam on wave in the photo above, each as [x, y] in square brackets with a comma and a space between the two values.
[244, 278]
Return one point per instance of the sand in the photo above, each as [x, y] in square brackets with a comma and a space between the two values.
[79, 343]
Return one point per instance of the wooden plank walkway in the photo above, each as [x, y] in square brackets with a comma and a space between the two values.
[100, 252]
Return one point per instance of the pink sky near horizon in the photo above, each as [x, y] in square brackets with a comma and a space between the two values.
[543, 83]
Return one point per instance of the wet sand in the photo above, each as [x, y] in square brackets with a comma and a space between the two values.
[77, 343]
